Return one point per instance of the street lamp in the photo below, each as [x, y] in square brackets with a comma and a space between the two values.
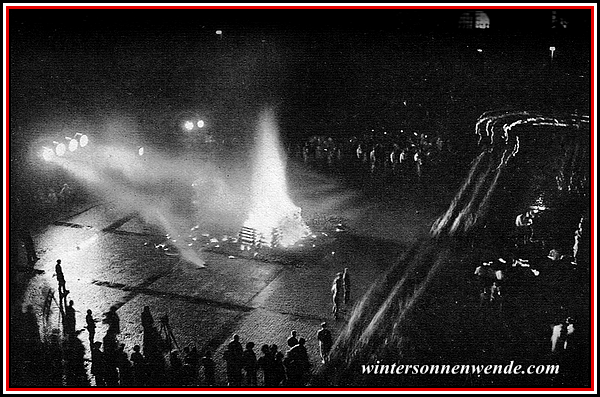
[83, 139]
[188, 125]
[47, 153]
[552, 49]
[200, 123]
[60, 148]
[73, 144]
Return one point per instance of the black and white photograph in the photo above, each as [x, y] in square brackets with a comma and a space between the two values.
[299, 197]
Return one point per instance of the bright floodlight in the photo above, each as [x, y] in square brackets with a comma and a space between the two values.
[219, 32]
[200, 123]
[141, 151]
[83, 139]
[552, 48]
[73, 144]
[188, 125]
[47, 154]
[60, 149]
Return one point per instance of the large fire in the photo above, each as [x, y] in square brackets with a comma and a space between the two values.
[273, 219]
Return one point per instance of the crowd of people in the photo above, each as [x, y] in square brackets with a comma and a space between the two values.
[398, 154]
[159, 362]
[526, 283]
[150, 367]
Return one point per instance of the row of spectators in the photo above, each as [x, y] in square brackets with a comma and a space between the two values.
[378, 152]
[148, 365]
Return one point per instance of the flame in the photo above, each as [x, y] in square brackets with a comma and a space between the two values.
[272, 210]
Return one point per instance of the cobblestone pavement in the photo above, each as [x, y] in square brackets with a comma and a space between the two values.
[109, 258]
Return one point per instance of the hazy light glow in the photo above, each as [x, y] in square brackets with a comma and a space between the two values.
[200, 123]
[272, 210]
[83, 140]
[73, 145]
[47, 154]
[141, 151]
[188, 125]
[60, 149]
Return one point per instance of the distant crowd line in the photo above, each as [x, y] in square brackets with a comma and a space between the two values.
[406, 154]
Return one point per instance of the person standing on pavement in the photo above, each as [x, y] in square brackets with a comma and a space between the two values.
[62, 290]
[250, 364]
[139, 367]
[193, 358]
[304, 360]
[98, 364]
[293, 339]
[147, 319]
[266, 362]
[234, 356]
[209, 368]
[70, 322]
[278, 368]
[124, 366]
[297, 364]
[336, 291]
[91, 326]
[112, 319]
[346, 282]
[325, 342]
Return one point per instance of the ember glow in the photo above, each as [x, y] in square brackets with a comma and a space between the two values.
[273, 216]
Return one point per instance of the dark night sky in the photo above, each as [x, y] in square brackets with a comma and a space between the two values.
[322, 69]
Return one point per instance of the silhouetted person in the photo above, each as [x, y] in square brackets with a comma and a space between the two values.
[192, 358]
[90, 325]
[155, 361]
[111, 350]
[176, 367]
[139, 367]
[346, 283]
[250, 364]
[236, 346]
[234, 358]
[278, 368]
[98, 364]
[64, 195]
[69, 321]
[303, 359]
[325, 342]
[74, 351]
[293, 339]
[147, 319]
[53, 358]
[266, 362]
[112, 319]
[124, 366]
[486, 275]
[209, 368]
[62, 290]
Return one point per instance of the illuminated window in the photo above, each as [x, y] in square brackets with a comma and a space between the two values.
[482, 21]
[474, 20]
[466, 20]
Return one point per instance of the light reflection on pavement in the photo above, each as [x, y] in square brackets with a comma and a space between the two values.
[109, 257]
